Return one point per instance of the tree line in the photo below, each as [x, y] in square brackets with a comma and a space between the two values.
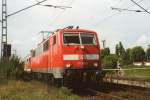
[124, 56]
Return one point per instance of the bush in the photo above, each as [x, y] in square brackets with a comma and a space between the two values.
[110, 61]
[11, 68]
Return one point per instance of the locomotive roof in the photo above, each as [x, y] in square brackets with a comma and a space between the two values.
[76, 30]
[65, 30]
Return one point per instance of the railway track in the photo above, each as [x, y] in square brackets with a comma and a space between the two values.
[102, 95]
[144, 84]
[110, 91]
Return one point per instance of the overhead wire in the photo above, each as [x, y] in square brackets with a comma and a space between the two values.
[59, 15]
[140, 6]
[26, 8]
[112, 15]
[55, 6]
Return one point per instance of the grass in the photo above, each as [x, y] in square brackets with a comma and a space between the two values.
[134, 74]
[137, 72]
[34, 90]
[133, 66]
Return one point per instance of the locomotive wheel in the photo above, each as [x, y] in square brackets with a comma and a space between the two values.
[33, 76]
[59, 82]
[65, 81]
[51, 80]
[27, 77]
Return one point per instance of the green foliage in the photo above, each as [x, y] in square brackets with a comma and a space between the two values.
[117, 49]
[121, 53]
[148, 54]
[143, 74]
[137, 54]
[129, 56]
[105, 52]
[128, 59]
[110, 61]
[11, 68]
[121, 49]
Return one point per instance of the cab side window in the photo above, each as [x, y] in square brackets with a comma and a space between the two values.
[54, 40]
[46, 45]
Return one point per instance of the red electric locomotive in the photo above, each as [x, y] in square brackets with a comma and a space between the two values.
[69, 52]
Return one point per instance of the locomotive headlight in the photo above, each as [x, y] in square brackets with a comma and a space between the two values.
[68, 65]
[95, 64]
[82, 47]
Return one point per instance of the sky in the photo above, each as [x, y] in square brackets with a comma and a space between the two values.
[131, 28]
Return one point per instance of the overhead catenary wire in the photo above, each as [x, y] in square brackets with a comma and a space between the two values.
[59, 15]
[143, 9]
[120, 9]
[140, 6]
[55, 16]
[60, 7]
[14, 13]
[26, 8]
[111, 16]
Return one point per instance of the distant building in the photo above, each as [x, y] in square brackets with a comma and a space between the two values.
[147, 63]
[137, 63]
[140, 63]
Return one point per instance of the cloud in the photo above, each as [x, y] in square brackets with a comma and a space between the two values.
[143, 40]
[17, 42]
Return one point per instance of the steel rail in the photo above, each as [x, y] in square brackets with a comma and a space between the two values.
[126, 69]
[112, 96]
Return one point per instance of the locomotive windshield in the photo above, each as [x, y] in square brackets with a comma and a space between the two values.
[88, 38]
[71, 38]
[79, 38]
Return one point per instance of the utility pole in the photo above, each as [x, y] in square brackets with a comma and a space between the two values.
[4, 27]
[104, 43]
[43, 32]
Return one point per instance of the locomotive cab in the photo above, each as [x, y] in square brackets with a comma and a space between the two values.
[81, 52]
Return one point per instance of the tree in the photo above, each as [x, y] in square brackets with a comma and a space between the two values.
[117, 49]
[137, 54]
[128, 59]
[148, 54]
[110, 61]
[120, 52]
[105, 52]
[121, 49]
